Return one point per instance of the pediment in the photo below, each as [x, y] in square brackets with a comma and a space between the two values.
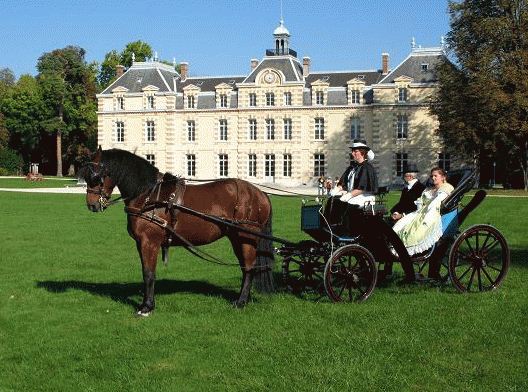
[191, 87]
[403, 79]
[223, 86]
[150, 87]
[356, 81]
[320, 82]
[120, 89]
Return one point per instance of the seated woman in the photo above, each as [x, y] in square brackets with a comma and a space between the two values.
[421, 229]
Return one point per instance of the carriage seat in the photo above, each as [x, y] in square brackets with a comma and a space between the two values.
[462, 180]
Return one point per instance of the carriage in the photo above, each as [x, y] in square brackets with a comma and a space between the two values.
[347, 266]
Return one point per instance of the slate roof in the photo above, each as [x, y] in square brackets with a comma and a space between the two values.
[412, 66]
[289, 66]
[340, 79]
[141, 75]
[208, 83]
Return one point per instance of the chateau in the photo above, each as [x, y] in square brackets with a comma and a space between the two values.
[281, 123]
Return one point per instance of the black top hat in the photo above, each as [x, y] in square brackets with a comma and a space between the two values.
[359, 143]
[410, 168]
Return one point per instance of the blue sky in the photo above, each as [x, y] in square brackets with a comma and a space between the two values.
[219, 37]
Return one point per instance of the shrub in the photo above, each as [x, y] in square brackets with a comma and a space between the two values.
[10, 162]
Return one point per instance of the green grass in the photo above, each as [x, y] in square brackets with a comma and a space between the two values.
[70, 280]
[46, 183]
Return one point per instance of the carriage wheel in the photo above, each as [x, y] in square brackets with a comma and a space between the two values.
[350, 274]
[304, 272]
[479, 259]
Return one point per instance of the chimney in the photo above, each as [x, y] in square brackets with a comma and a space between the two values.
[184, 70]
[120, 70]
[306, 66]
[384, 63]
[254, 63]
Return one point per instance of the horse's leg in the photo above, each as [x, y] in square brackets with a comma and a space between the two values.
[149, 256]
[246, 252]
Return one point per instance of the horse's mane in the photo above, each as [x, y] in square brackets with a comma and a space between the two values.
[131, 173]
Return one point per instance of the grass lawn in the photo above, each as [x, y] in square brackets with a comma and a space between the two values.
[70, 280]
[46, 183]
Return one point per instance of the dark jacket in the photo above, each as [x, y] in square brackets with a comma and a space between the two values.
[408, 196]
[365, 179]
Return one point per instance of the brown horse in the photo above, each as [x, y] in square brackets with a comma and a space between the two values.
[152, 201]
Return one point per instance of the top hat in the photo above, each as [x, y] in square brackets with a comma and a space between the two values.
[359, 143]
[410, 168]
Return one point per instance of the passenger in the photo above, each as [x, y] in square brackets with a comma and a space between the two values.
[411, 191]
[421, 229]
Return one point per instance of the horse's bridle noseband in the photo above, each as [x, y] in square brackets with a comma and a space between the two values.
[98, 177]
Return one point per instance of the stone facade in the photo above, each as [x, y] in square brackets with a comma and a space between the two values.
[281, 123]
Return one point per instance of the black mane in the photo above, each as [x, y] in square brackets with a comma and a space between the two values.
[132, 174]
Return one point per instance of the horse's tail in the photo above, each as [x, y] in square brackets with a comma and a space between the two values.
[263, 277]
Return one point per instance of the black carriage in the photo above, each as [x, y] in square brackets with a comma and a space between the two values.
[347, 265]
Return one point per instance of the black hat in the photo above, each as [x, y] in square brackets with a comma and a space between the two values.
[359, 143]
[410, 168]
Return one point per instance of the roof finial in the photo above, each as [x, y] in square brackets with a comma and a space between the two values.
[413, 43]
[281, 19]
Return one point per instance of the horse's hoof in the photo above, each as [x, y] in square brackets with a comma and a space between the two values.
[143, 313]
[239, 305]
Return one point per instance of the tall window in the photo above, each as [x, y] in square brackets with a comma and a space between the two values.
[356, 97]
[151, 159]
[252, 129]
[319, 98]
[150, 102]
[223, 165]
[120, 103]
[287, 99]
[191, 102]
[402, 94]
[444, 161]
[191, 131]
[269, 165]
[355, 128]
[222, 128]
[150, 131]
[270, 99]
[270, 129]
[319, 165]
[319, 128]
[401, 163]
[223, 100]
[287, 129]
[402, 127]
[252, 165]
[252, 99]
[120, 132]
[287, 165]
[191, 165]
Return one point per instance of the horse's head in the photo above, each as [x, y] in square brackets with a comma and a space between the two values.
[99, 184]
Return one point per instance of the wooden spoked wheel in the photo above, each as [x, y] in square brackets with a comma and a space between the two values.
[303, 272]
[479, 259]
[350, 274]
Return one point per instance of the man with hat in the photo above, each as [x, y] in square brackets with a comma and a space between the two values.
[410, 192]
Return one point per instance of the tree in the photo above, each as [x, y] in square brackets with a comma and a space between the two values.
[7, 80]
[482, 101]
[68, 87]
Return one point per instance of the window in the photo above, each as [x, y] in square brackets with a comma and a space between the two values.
[190, 102]
[287, 129]
[355, 128]
[425, 67]
[444, 161]
[223, 100]
[223, 165]
[151, 159]
[319, 98]
[150, 102]
[120, 103]
[252, 99]
[319, 165]
[191, 131]
[252, 165]
[401, 163]
[269, 165]
[120, 132]
[402, 94]
[270, 129]
[356, 97]
[270, 99]
[402, 127]
[150, 131]
[319, 128]
[252, 129]
[222, 128]
[287, 165]
[287, 99]
[191, 165]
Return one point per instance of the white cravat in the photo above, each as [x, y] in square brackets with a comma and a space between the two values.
[411, 183]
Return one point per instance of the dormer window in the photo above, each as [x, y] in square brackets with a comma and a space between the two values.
[319, 98]
[402, 94]
[223, 100]
[425, 67]
[191, 102]
[120, 103]
[270, 99]
[150, 102]
[287, 99]
[355, 97]
[252, 99]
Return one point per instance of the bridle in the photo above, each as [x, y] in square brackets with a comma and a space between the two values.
[97, 178]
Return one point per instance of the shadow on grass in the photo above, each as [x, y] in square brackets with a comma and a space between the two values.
[125, 292]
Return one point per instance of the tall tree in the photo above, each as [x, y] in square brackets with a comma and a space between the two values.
[482, 102]
[68, 88]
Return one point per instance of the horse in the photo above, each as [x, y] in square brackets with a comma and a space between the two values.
[164, 211]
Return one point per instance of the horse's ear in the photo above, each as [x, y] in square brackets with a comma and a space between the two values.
[98, 154]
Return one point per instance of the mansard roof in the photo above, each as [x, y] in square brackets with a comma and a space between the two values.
[288, 65]
[209, 83]
[412, 66]
[340, 79]
[143, 74]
